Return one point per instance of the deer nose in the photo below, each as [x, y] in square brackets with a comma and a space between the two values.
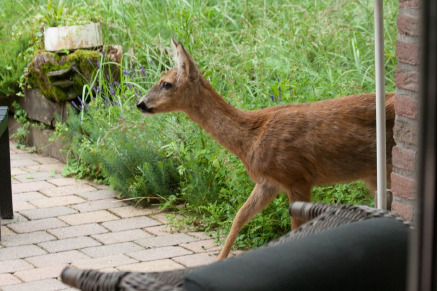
[143, 107]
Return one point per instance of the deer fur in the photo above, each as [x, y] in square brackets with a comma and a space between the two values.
[288, 148]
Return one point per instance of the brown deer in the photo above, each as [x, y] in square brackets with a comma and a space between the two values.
[288, 148]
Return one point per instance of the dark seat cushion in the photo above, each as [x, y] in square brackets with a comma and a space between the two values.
[365, 255]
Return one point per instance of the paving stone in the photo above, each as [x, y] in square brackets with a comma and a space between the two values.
[64, 181]
[131, 211]
[45, 160]
[16, 219]
[26, 238]
[16, 156]
[22, 163]
[53, 168]
[88, 217]
[166, 240]
[46, 285]
[196, 259]
[57, 201]
[100, 186]
[130, 223]
[108, 250]
[94, 205]
[22, 205]
[36, 225]
[67, 190]
[8, 279]
[200, 234]
[121, 236]
[57, 258]
[158, 253]
[104, 262]
[32, 177]
[164, 229]
[31, 187]
[78, 230]
[41, 213]
[11, 266]
[202, 246]
[40, 273]
[17, 171]
[153, 266]
[69, 244]
[27, 196]
[6, 231]
[98, 195]
[20, 252]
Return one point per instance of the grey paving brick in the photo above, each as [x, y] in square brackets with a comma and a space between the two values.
[159, 253]
[130, 223]
[78, 230]
[22, 205]
[22, 163]
[57, 258]
[45, 160]
[108, 250]
[131, 211]
[121, 236]
[31, 186]
[159, 230]
[6, 231]
[40, 273]
[152, 266]
[196, 259]
[21, 156]
[41, 213]
[67, 190]
[53, 168]
[98, 195]
[104, 262]
[46, 285]
[20, 252]
[17, 171]
[94, 205]
[11, 266]
[27, 196]
[36, 225]
[202, 246]
[38, 176]
[8, 279]
[26, 238]
[88, 217]
[165, 240]
[69, 244]
[57, 201]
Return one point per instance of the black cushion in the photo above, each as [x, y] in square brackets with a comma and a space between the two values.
[365, 255]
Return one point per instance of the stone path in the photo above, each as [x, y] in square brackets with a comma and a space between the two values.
[62, 221]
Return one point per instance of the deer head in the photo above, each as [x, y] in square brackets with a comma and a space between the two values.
[177, 88]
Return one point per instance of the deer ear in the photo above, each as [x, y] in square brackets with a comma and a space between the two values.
[184, 62]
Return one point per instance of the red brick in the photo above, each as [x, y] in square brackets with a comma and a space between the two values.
[408, 25]
[407, 80]
[407, 52]
[405, 210]
[409, 3]
[403, 158]
[406, 106]
[405, 131]
[403, 186]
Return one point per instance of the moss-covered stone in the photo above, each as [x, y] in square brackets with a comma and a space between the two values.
[62, 77]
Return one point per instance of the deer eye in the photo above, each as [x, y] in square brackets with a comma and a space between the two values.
[166, 85]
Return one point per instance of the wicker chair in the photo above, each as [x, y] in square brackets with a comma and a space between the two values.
[320, 217]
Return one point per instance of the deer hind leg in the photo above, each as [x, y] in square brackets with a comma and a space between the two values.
[260, 197]
[298, 192]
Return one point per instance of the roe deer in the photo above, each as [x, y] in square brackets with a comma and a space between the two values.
[289, 147]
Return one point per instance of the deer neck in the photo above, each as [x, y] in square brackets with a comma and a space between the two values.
[229, 126]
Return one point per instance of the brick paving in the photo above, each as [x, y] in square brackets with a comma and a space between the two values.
[61, 221]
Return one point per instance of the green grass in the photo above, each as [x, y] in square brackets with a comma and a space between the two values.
[255, 54]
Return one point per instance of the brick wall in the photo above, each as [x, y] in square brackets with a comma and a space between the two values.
[403, 184]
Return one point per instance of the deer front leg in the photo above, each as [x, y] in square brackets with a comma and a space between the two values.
[260, 197]
[299, 192]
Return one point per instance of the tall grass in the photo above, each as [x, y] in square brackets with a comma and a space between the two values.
[255, 54]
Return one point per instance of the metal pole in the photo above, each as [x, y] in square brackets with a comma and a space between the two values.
[380, 105]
